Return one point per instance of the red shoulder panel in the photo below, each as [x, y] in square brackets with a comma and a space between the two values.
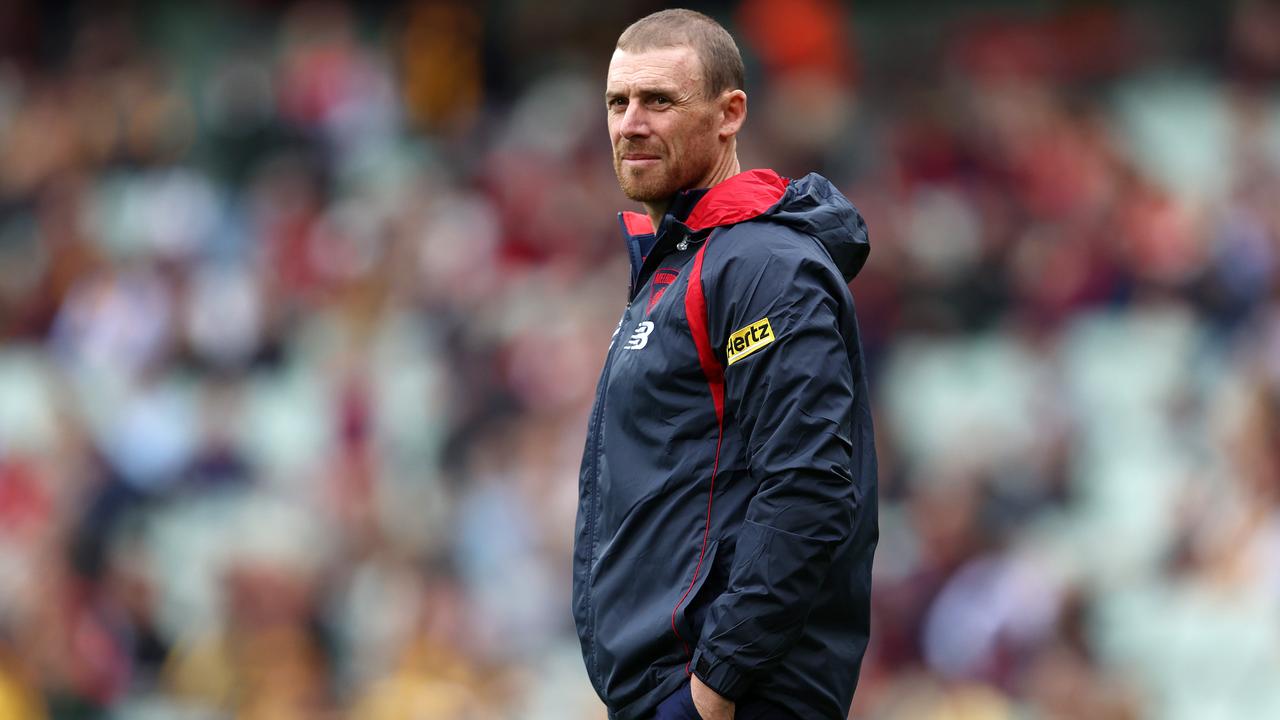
[695, 307]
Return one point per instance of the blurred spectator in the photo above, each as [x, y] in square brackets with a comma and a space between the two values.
[301, 306]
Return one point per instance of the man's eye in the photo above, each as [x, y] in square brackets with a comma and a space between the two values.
[617, 102]
[661, 100]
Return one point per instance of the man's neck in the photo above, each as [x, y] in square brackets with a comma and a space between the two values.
[721, 171]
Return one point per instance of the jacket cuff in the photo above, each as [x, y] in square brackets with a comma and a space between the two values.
[719, 675]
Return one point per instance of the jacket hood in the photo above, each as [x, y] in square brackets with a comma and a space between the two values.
[811, 205]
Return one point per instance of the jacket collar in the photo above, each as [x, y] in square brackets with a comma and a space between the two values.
[742, 197]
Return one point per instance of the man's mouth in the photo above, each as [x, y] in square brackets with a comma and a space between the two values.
[639, 157]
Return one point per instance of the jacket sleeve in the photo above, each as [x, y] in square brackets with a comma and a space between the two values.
[792, 400]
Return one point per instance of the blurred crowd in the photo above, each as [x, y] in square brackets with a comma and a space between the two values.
[302, 305]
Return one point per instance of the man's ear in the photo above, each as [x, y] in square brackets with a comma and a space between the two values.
[733, 112]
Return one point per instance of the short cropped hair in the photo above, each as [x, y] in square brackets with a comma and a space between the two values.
[714, 46]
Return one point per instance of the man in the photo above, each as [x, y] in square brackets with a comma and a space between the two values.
[727, 498]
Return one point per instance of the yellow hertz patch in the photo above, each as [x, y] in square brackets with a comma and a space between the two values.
[748, 340]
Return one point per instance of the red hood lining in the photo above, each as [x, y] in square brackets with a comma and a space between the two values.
[637, 223]
[741, 197]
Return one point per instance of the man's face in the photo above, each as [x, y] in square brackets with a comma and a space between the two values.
[662, 124]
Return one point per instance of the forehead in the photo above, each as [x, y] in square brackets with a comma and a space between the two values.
[668, 67]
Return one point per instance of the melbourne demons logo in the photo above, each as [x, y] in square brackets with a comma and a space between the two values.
[661, 280]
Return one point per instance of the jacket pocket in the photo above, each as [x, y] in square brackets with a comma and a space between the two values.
[691, 610]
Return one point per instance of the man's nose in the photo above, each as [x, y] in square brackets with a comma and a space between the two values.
[635, 122]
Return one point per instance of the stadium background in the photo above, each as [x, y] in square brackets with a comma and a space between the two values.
[302, 305]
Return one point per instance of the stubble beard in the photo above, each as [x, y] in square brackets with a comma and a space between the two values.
[654, 183]
[661, 182]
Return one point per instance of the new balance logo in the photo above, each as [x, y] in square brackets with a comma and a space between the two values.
[640, 337]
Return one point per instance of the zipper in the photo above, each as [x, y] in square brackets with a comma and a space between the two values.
[638, 282]
[597, 437]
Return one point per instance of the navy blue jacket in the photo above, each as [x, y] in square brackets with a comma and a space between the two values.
[727, 497]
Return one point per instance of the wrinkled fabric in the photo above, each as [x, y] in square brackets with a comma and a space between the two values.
[679, 706]
[737, 549]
